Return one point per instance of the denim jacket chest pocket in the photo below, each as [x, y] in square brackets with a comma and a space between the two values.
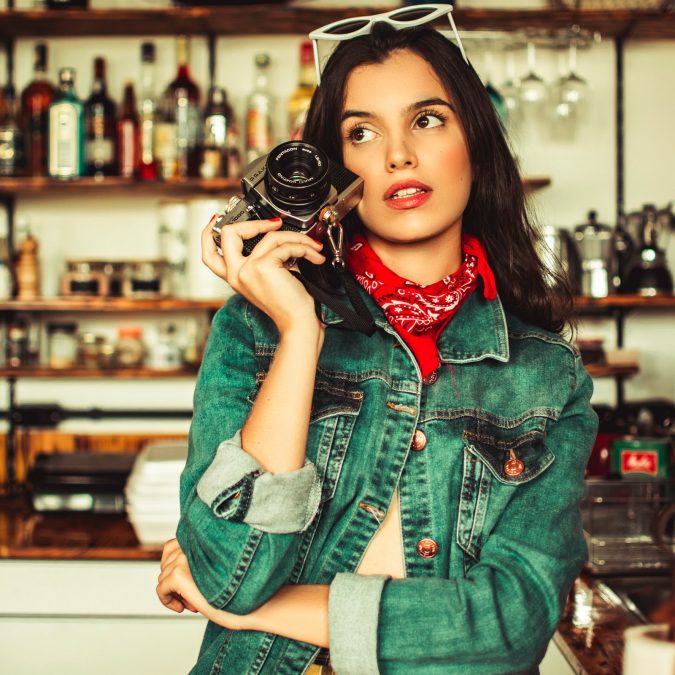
[499, 461]
[335, 407]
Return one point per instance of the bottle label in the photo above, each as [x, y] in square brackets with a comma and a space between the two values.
[64, 156]
[127, 149]
[8, 150]
[215, 131]
[258, 131]
[147, 140]
[166, 149]
[100, 149]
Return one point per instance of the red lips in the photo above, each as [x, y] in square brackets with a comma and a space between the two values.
[402, 185]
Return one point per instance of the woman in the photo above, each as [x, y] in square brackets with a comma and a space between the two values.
[408, 500]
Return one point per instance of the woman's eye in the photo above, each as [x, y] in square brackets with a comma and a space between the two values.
[360, 135]
[429, 121]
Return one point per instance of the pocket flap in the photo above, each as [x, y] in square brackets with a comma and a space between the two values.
[511, 461]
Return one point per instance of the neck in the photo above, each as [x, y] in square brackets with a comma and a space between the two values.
[424, 262]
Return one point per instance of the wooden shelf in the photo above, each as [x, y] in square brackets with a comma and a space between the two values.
[44, 372]
[17, 186]
[80, 186]
[585, 303]
[109, 305]
[596, 370]
[274, 19]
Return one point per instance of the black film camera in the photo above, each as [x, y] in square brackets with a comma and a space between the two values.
[299, 184]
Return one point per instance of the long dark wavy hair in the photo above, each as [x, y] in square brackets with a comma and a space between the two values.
[496, 212]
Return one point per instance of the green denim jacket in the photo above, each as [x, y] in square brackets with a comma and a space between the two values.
[483, 594]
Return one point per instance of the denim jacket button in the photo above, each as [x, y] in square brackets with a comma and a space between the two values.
[513, 466]
[431, 377]
[427, 548]
[419, 440]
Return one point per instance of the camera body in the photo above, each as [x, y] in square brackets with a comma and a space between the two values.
[298, 183]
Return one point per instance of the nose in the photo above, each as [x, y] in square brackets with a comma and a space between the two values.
[400, 154]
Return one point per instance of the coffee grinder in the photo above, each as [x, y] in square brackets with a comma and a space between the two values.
[648, 273]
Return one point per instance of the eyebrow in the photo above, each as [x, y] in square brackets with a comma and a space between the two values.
[418, 105]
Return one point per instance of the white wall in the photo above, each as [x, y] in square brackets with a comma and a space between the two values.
[582, 173]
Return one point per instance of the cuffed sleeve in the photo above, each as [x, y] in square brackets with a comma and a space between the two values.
[236, 565]
[353, 613]
[236, 487]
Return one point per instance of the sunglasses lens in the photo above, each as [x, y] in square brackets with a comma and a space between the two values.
[413, 14]
[347, 28]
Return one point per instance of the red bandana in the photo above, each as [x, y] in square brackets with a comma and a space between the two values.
[420, 313]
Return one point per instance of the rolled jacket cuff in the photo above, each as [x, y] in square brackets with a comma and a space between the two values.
[353, 615]
[236, 487]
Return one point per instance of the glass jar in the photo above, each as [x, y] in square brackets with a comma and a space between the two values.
[62, 339]
[87, 350]
[146, 279]
[130, 350]
[84, 278]
[17, 344]
[166, 352]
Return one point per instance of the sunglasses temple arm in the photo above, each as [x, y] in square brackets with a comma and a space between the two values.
[456, 34]
[317, 63]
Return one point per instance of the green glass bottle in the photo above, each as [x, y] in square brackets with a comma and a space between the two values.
[66, 129]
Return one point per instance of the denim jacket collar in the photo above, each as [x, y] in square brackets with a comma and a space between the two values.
[478, 331]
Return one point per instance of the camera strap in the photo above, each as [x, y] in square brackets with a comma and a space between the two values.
[359, 318]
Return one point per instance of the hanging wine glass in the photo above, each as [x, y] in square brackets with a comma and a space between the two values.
[569, 93]
[573, 88]
[532, 86]
[496, 98]
[510, 89]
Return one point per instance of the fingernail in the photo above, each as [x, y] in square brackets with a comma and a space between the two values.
[316, 241]
[275, 220]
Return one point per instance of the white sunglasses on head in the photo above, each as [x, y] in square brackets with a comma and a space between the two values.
[400, 18]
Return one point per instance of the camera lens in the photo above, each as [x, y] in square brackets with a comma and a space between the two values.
[297, 177]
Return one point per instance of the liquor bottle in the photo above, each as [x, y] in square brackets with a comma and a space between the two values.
[66, 129]
[259, 131]
[11, 142]
[127, 135]
[35, 100]
[184, 95]
[217, 119]
[147, 112]
[100, 121]
[298, 103]
[166, 146]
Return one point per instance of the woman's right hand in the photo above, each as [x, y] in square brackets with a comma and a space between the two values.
[263, 277]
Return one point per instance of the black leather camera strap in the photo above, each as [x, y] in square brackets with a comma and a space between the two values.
[359, 318]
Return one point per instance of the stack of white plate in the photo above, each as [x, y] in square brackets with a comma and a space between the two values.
[152, 491]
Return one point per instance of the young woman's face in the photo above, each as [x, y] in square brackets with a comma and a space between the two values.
[401, 135]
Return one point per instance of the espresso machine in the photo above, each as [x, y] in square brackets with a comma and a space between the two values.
[648, 272]
[595, 243]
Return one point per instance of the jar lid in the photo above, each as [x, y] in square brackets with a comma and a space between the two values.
[129, 331]
[62, 327]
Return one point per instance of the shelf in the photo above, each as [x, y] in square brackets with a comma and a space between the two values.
[17, 186]
[596, 370]
[279, 20]
[44, 372]
[109, 305]
[585, 303]
[80, 186]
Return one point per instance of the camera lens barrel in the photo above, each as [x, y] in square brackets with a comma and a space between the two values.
[297, 176]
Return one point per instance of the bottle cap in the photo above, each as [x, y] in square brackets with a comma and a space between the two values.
[262, 60]
[306, 53]
[148, 52]
[129, 331]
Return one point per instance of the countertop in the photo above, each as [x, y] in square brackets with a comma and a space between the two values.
[590, 633]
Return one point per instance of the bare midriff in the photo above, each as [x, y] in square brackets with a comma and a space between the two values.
[384, 554]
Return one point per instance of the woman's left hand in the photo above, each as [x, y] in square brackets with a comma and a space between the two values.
[177, 589]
